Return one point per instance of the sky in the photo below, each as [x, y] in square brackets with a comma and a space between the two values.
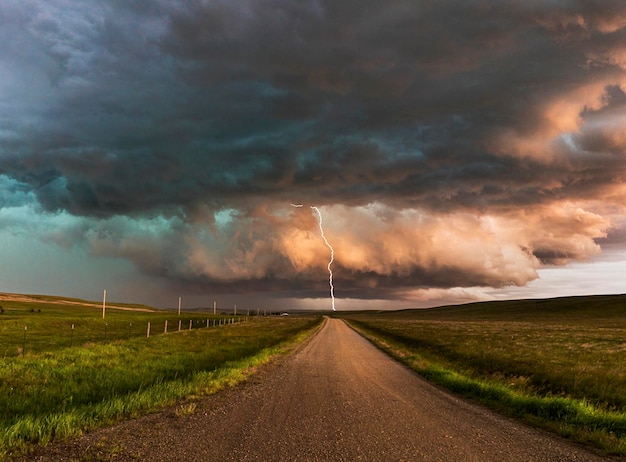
[457, 150]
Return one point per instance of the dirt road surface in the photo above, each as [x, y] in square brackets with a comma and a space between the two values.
[337, 398]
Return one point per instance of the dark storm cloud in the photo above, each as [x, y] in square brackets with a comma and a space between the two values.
[220, 81]
[184, 110]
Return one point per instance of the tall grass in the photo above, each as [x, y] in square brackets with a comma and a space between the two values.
[559, 364]
[60, 393]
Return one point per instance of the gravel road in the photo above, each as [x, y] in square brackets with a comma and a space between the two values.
[337, 398]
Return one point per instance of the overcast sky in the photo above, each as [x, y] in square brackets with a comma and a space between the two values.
[456, 150]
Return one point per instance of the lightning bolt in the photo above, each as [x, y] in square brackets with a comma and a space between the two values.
[332, 252]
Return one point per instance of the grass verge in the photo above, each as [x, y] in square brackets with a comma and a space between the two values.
[576, 419]
[59, 394]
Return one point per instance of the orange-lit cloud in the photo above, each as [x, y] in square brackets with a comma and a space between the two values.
[380, 252]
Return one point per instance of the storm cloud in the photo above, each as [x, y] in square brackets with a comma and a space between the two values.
[448, 144]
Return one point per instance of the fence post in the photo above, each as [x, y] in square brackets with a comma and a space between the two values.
[148, 330]
[165, 329]
[72, 337]
[24, 342]
[130, 325]
[190, 321]
[179, 324]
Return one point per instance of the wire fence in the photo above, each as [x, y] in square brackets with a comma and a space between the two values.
[19, 338]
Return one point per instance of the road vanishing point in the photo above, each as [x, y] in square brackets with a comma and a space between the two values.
[336, 398]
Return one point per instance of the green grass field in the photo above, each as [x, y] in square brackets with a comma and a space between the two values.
[55, 389]
[44, 324]
[559, 363]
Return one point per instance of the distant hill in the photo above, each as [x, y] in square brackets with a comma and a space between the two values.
[56, 300]
[592, 306]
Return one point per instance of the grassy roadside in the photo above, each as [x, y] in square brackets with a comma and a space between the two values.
[60, 393]
[558, 366]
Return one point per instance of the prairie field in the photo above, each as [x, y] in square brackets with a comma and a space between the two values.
[35, 324]
[556, 363]
[62, 383]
